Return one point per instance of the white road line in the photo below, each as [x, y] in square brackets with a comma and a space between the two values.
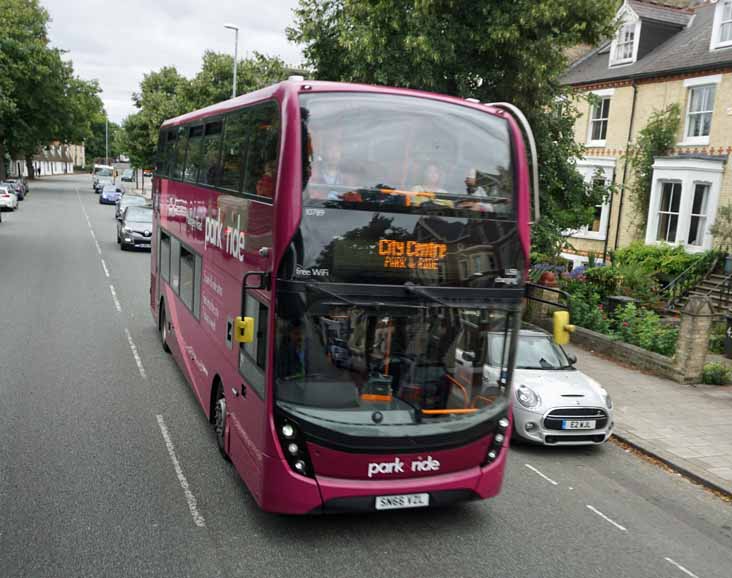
[198, 519]
[117, 306]
[680, 567]
[604, 517]
[99, 249]
[547, 478]
[106, 271]
[136, 355]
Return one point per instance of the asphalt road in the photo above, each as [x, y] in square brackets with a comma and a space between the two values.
[104, 472]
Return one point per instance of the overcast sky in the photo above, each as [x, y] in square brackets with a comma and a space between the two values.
[118, 42]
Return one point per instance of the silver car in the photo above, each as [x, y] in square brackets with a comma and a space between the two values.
[553, 402]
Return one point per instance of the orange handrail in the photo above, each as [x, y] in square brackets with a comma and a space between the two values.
[448, 411]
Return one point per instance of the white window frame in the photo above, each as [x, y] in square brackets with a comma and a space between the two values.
[705, 209]
[661, 186]
[602, 95]
[626, 17]
[716, 43]
[691, 84]
[588, 168]
[689, 172]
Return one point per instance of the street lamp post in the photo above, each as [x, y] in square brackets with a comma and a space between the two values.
[106, 140]
[236, 55]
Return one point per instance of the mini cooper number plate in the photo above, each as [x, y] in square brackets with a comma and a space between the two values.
[578, 424]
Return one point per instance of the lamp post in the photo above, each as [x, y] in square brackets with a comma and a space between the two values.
[106, 140]
[236, 55]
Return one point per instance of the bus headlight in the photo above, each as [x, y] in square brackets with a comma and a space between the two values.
[527, 397]
[293, 446]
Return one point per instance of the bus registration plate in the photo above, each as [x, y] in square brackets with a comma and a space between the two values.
[578, 424]
[402, 501]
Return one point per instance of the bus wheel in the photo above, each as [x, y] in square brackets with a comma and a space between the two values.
[219, 418]
[164, 328]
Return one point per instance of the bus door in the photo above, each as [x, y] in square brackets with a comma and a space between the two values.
[248, 394]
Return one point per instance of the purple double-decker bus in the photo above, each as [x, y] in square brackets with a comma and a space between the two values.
[328, 263]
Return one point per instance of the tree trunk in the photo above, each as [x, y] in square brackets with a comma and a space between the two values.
[29, 166]
[2, 159]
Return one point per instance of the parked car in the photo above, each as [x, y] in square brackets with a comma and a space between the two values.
[110, 194]
[8, 198]
[147, 173]
[128, 175]
[17, 185]
[135, 227]
[128, 200]
[554, 402]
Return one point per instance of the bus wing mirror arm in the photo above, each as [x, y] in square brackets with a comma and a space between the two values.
[265, 280]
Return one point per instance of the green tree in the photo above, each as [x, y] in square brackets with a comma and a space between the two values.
[165, 94]
[656, 139]
[41, 99]
[487, 49]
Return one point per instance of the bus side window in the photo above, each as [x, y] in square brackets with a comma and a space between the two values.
[180, 153]
[165, 255]
[253, 355]
[260, 175]
[208, 172]
[193, 158]
[175, 264]
[235, 134]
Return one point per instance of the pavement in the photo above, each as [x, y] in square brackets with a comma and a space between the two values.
[105, 455]
[689, 427]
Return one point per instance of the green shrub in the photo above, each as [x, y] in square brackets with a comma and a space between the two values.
[605, 280]
[586, 307]
[645, 329]
[663, 261]
[717, 337]
[716, 374]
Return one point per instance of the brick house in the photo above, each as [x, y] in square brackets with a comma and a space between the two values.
[660, 55]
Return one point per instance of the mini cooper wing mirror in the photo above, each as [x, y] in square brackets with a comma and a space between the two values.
[244, 329]
[571, 358]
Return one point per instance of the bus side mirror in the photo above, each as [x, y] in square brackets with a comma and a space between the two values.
[244, 329]
[562, 327]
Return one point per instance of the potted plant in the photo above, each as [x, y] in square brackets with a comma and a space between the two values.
[721, 230]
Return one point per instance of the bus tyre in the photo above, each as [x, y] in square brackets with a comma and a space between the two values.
[164, 329]
[219, 418]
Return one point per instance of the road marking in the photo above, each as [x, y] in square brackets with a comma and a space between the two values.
[680, 567]
[116, 301]
[198, 519]
[136, 355]
[604, 517]
[106, 271]
[547, 478]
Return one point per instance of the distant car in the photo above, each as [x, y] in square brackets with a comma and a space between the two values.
[110, 194]
[128, 200]
[17, 185]
[101, 175]
[128, 175]
[135, 228]
[8, 198]
[554, 403]
[147, 173]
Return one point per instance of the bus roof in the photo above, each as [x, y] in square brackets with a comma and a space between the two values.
[291, 87]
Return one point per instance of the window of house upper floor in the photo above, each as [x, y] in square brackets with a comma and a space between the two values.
[599, 117]
[701, 93]
[722, 28]
[624, 46]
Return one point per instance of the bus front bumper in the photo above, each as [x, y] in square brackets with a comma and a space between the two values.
[297, 494]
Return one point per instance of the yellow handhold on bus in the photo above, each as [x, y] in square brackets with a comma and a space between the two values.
[562, 327]
[244, 329]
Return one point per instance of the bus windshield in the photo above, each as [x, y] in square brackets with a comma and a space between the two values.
[403, 359]
[405, 154]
